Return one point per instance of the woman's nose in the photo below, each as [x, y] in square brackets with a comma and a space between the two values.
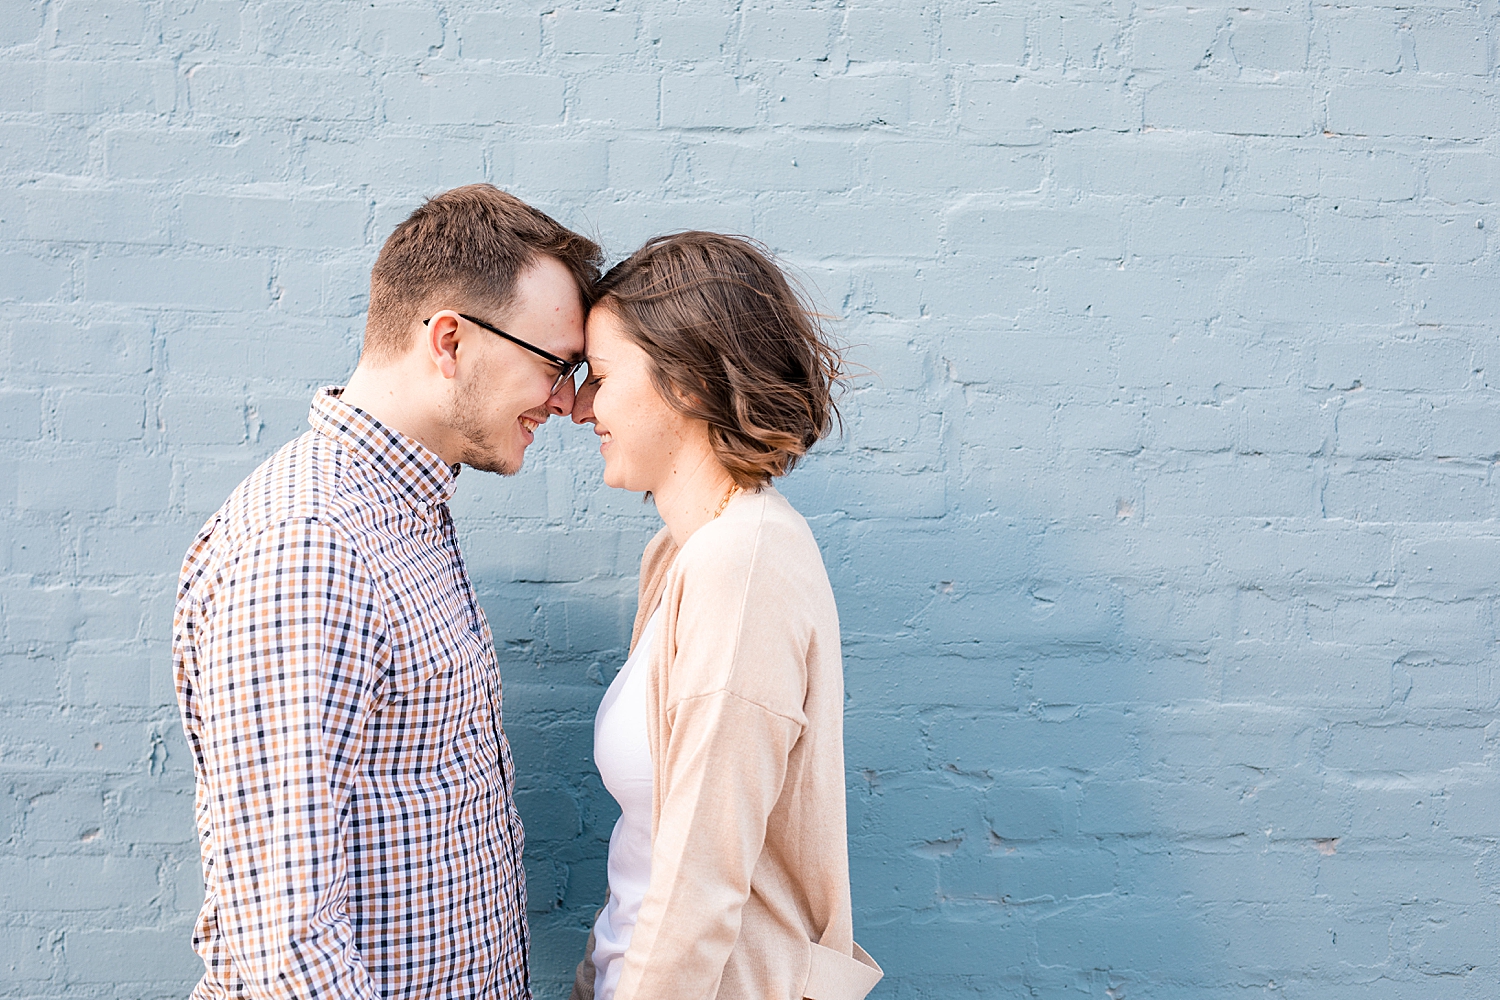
[583, 404]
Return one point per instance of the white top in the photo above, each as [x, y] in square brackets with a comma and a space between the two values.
[623, 756]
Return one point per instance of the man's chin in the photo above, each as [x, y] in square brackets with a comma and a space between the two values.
[490, 460]
[496, 464]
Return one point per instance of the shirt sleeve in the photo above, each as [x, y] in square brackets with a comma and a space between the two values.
[740, 659]
[291, 653]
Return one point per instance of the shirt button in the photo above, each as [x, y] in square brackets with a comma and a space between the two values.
[422, 507]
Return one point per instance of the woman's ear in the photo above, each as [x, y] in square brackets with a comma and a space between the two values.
[689, 398]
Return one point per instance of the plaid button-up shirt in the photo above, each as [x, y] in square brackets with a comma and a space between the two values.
[339, 690]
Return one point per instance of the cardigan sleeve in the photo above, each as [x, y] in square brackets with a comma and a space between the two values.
[727, 764]
[735, 666]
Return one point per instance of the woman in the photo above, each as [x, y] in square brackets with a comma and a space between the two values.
[722, 737]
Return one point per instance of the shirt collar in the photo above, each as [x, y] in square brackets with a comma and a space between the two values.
[413, 467]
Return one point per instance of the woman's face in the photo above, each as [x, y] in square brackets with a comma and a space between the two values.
[643, 440]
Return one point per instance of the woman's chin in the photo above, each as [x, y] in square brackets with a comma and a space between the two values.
[618, 479]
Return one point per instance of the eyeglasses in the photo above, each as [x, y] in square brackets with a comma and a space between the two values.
[576, 371]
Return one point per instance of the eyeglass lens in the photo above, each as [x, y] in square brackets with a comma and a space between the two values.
[577, 373]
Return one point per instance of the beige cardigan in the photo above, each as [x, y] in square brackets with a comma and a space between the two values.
[749, 894]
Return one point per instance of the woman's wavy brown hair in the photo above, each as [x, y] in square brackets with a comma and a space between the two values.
[732, 342]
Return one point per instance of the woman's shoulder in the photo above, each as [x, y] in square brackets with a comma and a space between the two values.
[759, 550]
[752, 599]
[754, 527]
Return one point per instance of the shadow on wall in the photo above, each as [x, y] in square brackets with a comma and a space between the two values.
[1062, 780]
[1056, 785]
[1092, 755]
[1006, 834]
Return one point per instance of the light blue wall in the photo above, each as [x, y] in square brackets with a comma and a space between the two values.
[1164, 530]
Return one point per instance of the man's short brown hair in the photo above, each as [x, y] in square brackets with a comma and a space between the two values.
[732, 343]
[472, 243]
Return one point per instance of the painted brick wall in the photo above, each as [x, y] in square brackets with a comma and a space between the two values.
[1164, 530]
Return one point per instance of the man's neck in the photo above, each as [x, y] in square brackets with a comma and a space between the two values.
[396, 397]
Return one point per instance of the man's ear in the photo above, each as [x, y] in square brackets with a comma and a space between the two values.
[440, 336]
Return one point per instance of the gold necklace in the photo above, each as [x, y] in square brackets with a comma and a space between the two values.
[733, 489]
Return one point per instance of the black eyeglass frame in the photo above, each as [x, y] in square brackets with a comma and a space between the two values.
[569, 368]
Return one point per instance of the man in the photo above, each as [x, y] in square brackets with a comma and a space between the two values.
[336, 677]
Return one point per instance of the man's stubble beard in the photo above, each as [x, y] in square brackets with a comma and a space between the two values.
[466, 416]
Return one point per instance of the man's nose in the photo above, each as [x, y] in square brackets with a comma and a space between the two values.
[583, 405]
[561, 402]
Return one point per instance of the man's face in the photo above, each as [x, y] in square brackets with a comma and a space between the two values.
[502, 392]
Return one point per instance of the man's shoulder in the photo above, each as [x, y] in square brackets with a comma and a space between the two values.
[305, 481]
[297, 482]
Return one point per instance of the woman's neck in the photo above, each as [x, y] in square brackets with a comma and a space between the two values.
[691, 494]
